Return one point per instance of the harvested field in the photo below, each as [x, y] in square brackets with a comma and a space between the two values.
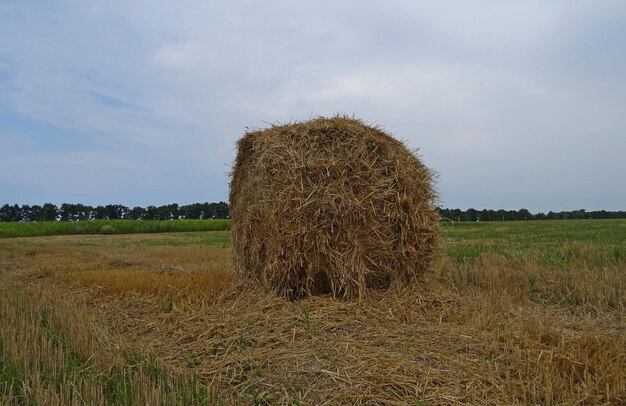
[516, 313]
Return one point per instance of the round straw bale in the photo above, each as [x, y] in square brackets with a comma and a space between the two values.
[330, 205]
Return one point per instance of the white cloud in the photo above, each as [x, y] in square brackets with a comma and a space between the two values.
[486, 89]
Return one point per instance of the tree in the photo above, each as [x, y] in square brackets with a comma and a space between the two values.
[551, 215]
[31, 213]
[67, 212]
[6, 213]
[194, 211]
[82, 212]
[502, 215]
[115, 211]
[163, 213]
[173, 212]
[151, 213]
[222, 211]
[488, 215]
[472, 215]
[49, 212]
[524, 214]
[100, 213]
[137, 213]
[458, 215]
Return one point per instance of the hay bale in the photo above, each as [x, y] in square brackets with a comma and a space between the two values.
[330, 206]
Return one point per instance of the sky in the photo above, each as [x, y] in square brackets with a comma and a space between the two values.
[514, 104]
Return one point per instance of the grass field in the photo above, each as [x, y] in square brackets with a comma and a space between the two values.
[515, 313]
[9, 230]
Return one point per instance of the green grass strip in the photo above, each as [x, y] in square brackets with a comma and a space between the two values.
[12, 230]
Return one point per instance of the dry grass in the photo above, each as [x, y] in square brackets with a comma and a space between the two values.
[144, 264]
[164, 283]
[53, 351]
[333, 206]
[506, 323]
[581, 288]
[164, 272]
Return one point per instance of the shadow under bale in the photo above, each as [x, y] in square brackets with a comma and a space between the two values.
[331, 206]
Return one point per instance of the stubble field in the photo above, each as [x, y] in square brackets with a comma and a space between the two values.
[515, 313]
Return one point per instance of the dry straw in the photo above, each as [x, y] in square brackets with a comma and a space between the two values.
[331, 205]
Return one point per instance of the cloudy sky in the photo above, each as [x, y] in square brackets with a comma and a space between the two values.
[514, 104]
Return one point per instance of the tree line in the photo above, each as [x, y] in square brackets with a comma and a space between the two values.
[81, 212]
[204, 211]
[524, 214]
